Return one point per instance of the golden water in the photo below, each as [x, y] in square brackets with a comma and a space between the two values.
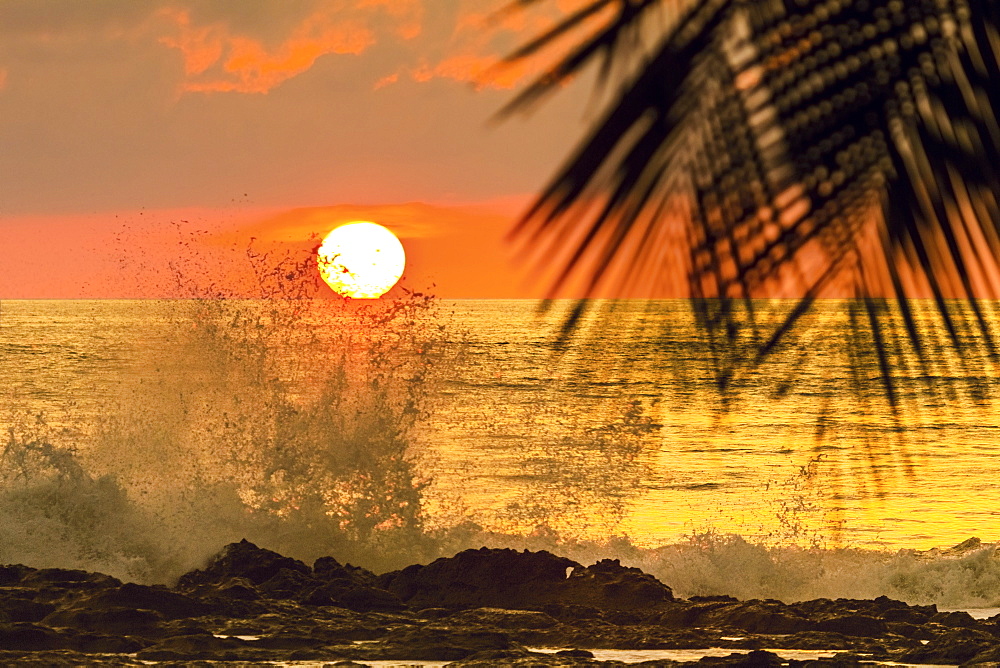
[365, 432]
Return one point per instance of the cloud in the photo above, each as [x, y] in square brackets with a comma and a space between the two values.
[386, 81]
[254, 46]
[222, 55]
[219, 60]
[482, 71]
[250, 46]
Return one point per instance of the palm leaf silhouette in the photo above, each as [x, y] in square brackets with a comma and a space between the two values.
[802, 148]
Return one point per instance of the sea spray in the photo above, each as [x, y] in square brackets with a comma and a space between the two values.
[55, 513]
[307, 453]
[718, 564]
[287, 421]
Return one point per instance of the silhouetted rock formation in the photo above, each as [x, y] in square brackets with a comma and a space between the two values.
[244, 572]
[242, 560]
[479, 608]
[525, 580]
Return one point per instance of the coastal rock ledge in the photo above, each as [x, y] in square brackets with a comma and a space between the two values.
[486, 607]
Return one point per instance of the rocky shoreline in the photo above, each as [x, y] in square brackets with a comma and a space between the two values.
[479, 608]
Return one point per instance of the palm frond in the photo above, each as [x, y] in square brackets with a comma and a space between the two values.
[803, 148]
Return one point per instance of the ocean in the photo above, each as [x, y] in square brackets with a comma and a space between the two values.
[141, 436]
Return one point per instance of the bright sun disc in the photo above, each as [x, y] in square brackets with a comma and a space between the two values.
[361, 260]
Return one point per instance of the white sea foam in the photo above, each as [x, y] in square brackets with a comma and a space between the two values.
[731, 565]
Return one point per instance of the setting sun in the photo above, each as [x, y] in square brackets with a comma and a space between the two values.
[361, 260]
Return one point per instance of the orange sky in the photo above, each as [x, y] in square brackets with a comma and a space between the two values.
[144, 144]
[456, 251]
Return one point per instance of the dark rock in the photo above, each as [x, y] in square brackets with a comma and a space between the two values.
[909, 615]
[20, 606]
[504, 619]
[242, 560]
[288, 584]
[524, 580]
[32, 638]
[714, 599]
[325, 629]
[230, 599]
[911, 631]
[955, 619]
[575, 653]
[761, 658]
[183, 627]
[91, 643]
[816, 640]
[13, 574]
[607, 636]
[954, 647]
[770, 617]
[431, 643]
[610, 586]
[63, 657]
[359, 598]
[369, 599]
[433, 613]
[756, 659]
[883, 603]
[179, 648]
[682, 615]
[112, 621]
[987, 656]
[346, 631]
[240, 627]
[853, 625]
[626, 617]
[285, 639]
[270, 622]
[479, 578]
[822, 608]
[63, 577]
[329, 569]
[239, 589]
[351, 587]
[571, 613]
[480, 607]
[169, 604]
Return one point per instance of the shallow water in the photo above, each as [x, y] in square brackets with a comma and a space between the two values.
[220, 420]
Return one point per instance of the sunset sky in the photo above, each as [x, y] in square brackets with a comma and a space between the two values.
[144, 141]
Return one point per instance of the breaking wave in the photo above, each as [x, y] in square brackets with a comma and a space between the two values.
[61, 515]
